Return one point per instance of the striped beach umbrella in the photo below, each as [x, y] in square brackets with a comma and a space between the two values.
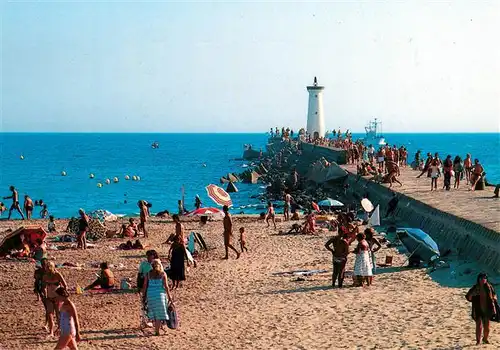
[219, 195]
[205, 212]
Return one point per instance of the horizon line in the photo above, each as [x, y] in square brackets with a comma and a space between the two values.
[231, 132]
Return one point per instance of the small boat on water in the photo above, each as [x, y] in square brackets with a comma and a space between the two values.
[373, 137]
[155, 145]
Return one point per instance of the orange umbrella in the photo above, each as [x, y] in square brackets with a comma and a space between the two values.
[219, 195]
[13, 240]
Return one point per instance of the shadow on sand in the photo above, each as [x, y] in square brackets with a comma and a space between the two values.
[306, 289]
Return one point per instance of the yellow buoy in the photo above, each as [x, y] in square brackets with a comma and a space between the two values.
[127, 177]
[108, 181]
[134, 178]
[115, 179]
[63, 173]
[99, 185]
[91, 176]
[22, 157]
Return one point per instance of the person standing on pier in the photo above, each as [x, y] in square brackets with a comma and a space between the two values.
[468, 167]
[447, 169]
[477, 174]
[458, 168]
[393, 172]
[435, 173]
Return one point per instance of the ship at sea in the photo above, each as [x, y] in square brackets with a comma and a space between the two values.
[373, 135]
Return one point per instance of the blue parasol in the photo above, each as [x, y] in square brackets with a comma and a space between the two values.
[419, 243]
[330, 203]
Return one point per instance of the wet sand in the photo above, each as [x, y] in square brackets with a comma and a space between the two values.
[239, 304]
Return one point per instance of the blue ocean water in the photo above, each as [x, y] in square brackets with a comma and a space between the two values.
[179, 161]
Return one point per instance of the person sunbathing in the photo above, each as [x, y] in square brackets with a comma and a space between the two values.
[106, 279]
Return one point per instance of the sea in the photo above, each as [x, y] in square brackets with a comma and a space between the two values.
[184, 164]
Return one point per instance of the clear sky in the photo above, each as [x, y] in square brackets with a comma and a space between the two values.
[237, 67]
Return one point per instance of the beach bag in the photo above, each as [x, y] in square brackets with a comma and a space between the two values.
[172, 321]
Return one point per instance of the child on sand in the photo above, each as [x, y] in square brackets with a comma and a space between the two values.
[51, 226]
[69, 324]
[243, 243]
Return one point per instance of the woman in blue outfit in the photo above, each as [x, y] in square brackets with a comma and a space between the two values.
[157, 294]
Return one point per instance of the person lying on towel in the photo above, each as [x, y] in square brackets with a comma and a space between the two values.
[106, 279]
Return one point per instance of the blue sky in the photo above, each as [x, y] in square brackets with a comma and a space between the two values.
[236, 67]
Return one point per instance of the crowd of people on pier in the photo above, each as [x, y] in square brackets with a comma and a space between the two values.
[383, 163]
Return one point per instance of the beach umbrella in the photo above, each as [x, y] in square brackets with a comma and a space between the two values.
[367, 205]
[330, 203]
[205, 212]
[218, 195]
[315, 206]
[418, 243]
[15, 239]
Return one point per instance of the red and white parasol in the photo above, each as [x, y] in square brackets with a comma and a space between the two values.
[218, 195]
[205, 212]
[315, 206]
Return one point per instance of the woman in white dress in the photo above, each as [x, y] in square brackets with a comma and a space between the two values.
[363, 269]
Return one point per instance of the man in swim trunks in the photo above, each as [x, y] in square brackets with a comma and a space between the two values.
[286, 209]
[468, 167]
[15, 202]
[228, 232]
[28, 206]
[340, 251]
[144, 213]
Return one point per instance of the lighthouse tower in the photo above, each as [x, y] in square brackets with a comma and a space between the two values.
[315, 117]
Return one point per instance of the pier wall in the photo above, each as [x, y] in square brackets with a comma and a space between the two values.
[470, 240]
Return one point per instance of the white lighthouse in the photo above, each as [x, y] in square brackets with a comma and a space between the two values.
[315, 117]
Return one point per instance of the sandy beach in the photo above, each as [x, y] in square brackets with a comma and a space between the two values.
[239, 304]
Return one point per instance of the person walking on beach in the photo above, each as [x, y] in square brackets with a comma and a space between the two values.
[339, 247]
[468, 168]
[482, 296]
[157, 294]
[243, 241]
[144, 213]
[15, 202]
[270, 214]
[458, 168]
[177, 254]
[51, 280]
[69, 324]
[28, 206]
[435, 173]
[83, 226]
[228, 232]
